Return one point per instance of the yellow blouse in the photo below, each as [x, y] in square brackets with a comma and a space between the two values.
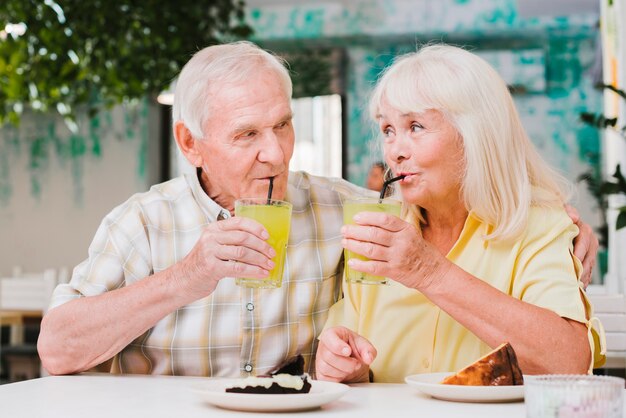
[412, 335]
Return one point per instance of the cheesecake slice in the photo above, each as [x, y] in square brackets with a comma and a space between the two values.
[287, 379]
[497, 368]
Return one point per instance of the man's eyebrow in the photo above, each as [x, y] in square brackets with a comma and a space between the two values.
[251, 127]
[243, 128]
[287, 116]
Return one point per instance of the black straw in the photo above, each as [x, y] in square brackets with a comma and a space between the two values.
[269, 192]
[386, 184]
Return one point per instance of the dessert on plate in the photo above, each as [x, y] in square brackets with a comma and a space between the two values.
[497, 368]
[287, 379]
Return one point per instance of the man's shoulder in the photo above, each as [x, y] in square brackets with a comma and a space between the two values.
[302, 181]
[160, 194]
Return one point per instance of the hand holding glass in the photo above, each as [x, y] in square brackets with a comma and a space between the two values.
[350, 208]
[275, 216]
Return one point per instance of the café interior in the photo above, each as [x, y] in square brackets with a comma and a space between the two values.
[62, 169]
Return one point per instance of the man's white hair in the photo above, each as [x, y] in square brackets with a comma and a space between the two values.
[504, 174]
[213, 66]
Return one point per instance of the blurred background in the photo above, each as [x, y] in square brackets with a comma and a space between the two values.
[85, 91]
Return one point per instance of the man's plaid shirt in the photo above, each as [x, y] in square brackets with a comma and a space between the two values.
[235, 331]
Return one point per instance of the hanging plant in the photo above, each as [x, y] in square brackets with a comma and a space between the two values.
[60, 55]
[597, 186]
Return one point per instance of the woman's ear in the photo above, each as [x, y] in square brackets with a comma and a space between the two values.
[187, 144]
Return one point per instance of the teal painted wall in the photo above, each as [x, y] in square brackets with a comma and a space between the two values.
[45, 145]
[57, 184]
[48, 172]
[547, 58]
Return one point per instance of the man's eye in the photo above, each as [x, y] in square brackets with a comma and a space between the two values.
[282, 125]
[249, 134]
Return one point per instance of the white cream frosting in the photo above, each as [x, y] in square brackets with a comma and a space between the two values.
[285, 380]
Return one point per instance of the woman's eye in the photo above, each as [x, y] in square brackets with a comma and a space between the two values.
[416, 127]
[387, 131]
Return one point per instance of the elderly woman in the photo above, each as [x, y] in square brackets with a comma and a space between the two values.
[483, 254]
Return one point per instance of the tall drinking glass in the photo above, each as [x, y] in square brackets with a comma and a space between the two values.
[275, 216]
[350, 208]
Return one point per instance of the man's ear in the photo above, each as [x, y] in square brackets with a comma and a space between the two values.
[187, 144]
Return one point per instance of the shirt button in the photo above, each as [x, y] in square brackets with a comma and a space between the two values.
[248, 367]
[250, 306]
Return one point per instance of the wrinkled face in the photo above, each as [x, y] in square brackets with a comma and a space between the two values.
[249, 138]
[428, 150]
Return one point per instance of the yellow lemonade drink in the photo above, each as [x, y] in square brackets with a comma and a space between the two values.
[275, 216]
[350, 208]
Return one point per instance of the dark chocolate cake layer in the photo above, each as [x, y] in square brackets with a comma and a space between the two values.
[275, 389]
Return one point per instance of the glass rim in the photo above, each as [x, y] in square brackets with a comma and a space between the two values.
[373, 198]
[584, 379]
[263, 200]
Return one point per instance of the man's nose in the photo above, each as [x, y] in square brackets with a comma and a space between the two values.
[272, 150]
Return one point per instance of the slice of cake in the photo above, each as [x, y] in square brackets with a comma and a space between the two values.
[497, 368]
[287, 379]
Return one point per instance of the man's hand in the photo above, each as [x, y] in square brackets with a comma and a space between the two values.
[234, 247]
[585, 245]
[343, 356]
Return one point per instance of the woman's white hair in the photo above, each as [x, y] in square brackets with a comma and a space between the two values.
[215, 65]
[504, 174]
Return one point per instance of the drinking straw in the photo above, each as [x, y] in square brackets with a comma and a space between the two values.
[269, 192]
[385, 185]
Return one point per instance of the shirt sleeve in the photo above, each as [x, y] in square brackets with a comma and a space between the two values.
[117, 255]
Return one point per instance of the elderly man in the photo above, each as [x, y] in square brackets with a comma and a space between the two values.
[156, 292]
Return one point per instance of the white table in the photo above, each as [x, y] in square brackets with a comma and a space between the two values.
[108, 396]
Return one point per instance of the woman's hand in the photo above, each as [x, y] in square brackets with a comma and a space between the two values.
[343, 356]
[395, 248]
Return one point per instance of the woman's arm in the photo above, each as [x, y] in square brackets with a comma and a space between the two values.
[544, 341]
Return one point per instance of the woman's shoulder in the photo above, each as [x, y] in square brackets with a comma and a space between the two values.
[548, 222]
[548, 214]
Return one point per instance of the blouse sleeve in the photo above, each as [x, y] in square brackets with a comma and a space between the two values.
[547, 274]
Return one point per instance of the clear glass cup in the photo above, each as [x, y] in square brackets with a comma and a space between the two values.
[350, 208]
[275, 216]
[572, 396]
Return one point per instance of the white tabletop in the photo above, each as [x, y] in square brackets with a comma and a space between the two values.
[108, 396]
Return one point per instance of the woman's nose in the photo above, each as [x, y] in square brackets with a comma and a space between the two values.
[396, 150]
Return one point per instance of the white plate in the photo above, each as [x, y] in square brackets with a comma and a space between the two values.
[321, 393]
[430, 384]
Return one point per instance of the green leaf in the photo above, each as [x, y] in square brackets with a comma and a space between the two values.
[621, 218]
[597, 120]
[621, 182]
[120, 51]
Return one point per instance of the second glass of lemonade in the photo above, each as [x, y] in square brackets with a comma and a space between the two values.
[275, 216]
[350, 208]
